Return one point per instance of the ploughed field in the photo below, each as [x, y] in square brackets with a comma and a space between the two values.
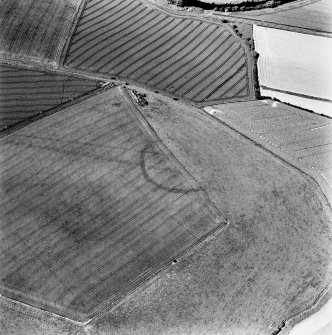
[92, 204]
[35, 30]
[25, 93]
[193, 59]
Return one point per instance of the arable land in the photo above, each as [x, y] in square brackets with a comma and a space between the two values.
[25, 93]
[190, 58]
[310, 16]
[295, 68]
[91, 206]
[271, 262]
[36, 30]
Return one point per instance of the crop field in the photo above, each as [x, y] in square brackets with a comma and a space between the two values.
[25, 93]
[305, 136]
[36, 30]
[193, 59]
[91, 206]
[309, 15]
[295, 63]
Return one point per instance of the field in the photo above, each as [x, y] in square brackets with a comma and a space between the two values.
[35, 30]
[311, 16]
[26, 93]
[304, 136]
[91, 206]
[188, 58]
[271, 262]
[303, 67]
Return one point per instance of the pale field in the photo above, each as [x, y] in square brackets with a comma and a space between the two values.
[320, 323]
[294, 62]
[319, 107]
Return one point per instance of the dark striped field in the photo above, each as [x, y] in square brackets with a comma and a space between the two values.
[91, 206]
[25, 93]
[196, 60]
[36, 30]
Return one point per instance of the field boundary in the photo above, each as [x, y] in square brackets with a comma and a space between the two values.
[64, 105]
[310, 172]
[217, 222]
[71, 32]
[244, 49]
[218, 16]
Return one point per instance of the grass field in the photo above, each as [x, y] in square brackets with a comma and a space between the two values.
[193, 59]
[271, 262]
[91, 206]
[35, 30]
[304, 136]
[25, 93]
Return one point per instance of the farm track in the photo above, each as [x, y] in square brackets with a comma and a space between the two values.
[130, 40]
[91, 206]
[26, 93]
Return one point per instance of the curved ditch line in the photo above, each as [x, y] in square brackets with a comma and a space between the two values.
[237, 60]
[146, 37]
[170, 28]
[131, 27]
[152, 181]
[173, 216]
[209, 73]
[243, 66]
[109, 260]
[158, 23]
[198, 66]
[169, 48]
[86, 36]
[148, 53]
[184, 56]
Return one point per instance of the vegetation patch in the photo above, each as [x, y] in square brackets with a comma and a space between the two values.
[230, 6]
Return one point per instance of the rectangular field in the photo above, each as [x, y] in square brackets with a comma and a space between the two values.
[295, 64]
[194, 59]
[26, 93]
[36, 30]
[92, 205]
